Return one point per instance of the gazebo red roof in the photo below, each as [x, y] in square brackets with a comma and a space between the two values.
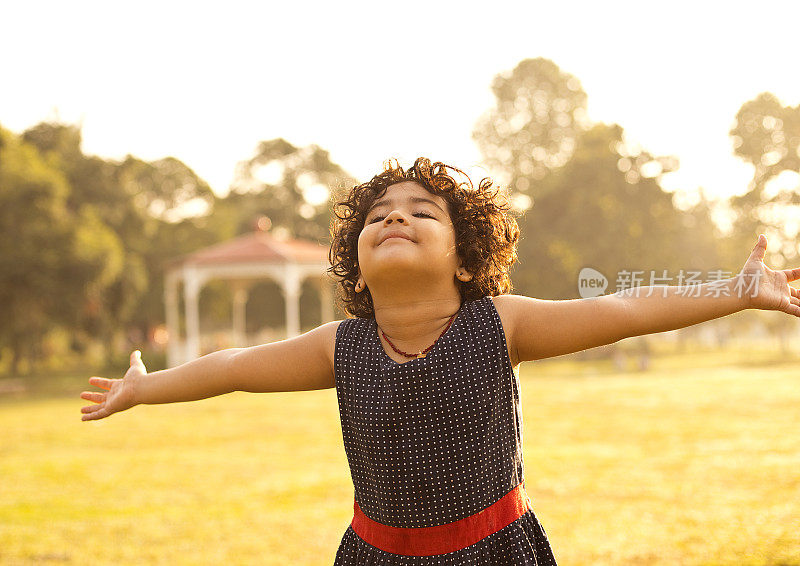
[258, 247]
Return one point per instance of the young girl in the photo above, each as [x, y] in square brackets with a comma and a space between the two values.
[426, 370]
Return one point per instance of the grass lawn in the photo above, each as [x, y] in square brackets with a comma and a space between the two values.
[695, 461]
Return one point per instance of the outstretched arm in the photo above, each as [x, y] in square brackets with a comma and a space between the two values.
[538, 329]
[297, 364]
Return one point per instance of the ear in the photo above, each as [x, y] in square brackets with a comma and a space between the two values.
[463, 275]
[360, 284]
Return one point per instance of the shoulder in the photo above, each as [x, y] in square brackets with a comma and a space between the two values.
[507, 307]
[518, 314]
[324, 337]
[348, 335]
[350, 328]
[517, 309]
[326, 331]
[319, 342]
[296, 364]
[512, 307]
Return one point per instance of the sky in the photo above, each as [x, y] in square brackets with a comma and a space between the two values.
[205, 82]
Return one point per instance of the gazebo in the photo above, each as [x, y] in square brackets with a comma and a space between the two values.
[243, 261]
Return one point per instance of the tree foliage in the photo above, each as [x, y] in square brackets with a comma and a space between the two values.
[766, 134]
[593, 201]
[164, 188]
[534, 126]
[55, 261]
[88, 238]
[290, 185]
[595, 213]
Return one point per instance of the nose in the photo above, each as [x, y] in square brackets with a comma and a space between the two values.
[394, 216]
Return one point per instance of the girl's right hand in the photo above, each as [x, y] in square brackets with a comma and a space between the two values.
[120, 394]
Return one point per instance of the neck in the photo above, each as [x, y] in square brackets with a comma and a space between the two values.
[413, 322]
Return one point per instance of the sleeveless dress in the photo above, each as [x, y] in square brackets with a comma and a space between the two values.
[434, 440]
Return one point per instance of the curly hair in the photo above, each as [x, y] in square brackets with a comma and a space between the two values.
[486, 232]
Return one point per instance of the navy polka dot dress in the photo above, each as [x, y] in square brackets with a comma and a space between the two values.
[434, 440]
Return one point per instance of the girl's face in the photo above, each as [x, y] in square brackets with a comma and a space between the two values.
[407, 231]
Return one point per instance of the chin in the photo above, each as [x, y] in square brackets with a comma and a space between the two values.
[415, 268]
[394, 262]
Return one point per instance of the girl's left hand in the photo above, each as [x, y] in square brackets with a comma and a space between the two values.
[768, 289]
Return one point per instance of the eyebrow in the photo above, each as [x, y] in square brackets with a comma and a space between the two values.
[386, 202]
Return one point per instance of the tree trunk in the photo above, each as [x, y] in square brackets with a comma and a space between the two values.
[15, 359]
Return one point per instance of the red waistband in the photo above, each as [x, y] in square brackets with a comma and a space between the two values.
[441, 539]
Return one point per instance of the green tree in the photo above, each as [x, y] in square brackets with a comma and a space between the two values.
[163, 189]
[605, 210]
[156, 231]
[592, 201]
[766, 135]
[94, 187]
[539, 114]
[290, 185]
[142, 204]
[54, 261]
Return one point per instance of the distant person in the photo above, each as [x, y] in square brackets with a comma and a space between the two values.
[426, 370]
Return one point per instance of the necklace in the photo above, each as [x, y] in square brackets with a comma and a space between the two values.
[424, 352]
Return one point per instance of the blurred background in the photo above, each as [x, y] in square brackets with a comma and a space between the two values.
[137, 140]
[665, 139]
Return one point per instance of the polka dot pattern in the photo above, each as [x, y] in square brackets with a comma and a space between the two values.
[435, 439]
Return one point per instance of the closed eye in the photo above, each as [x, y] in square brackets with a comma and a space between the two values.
[417, 214]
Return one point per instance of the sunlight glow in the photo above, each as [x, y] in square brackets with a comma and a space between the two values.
[783, 181]
[270, 173]
[668, 109]
[316, 194]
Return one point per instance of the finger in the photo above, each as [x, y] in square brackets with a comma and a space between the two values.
[136, 358]
[792, 274]
[95, 415]
[102, 382]
[91, 408]
[760, 247]
[93, 396]
[136, 361]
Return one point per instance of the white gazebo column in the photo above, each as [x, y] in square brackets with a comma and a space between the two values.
[291, 296]
[240, 294]
[191, 297]
[174, 357]
[326, 300]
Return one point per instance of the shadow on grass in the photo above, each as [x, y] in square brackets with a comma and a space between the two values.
[782, 361]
